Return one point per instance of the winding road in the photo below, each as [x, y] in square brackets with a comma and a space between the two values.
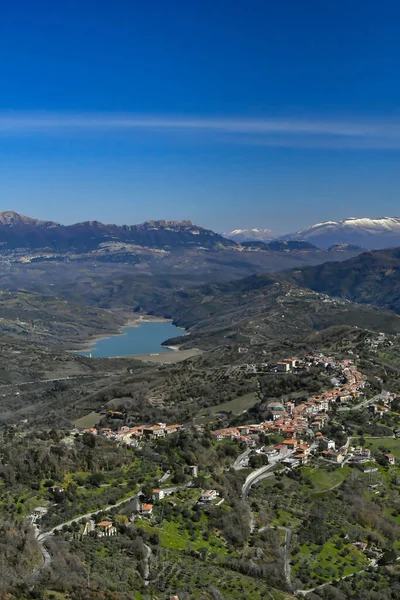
[42, 536]
[238, 464]
[252, 479]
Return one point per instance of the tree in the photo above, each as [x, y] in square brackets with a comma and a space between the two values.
[121, 521]
[147, 491]
[388, 557]
[258, 460]
[96, 479]
[89, 440]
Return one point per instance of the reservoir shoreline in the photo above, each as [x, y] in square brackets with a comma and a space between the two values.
[89, 345]
[147, 343]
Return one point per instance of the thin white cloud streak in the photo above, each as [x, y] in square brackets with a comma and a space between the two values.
[328, 143]
[329, 133]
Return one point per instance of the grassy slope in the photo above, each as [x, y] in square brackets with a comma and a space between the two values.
[48, 320]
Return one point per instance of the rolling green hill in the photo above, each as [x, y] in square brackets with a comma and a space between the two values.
[371, 277]
[359, 292]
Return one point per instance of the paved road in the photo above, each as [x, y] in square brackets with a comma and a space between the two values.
[166, 476]
[364, 403]
[347, 444]
[46, 558]
[251, 480]
[373, 565]
[44, 535]
[41, 537]
[254, 478]
[320, 587]
[238, 462]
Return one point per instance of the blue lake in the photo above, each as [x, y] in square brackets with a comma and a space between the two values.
[144, 339]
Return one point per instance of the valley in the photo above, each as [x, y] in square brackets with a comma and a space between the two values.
[262, 453]
[199, 301]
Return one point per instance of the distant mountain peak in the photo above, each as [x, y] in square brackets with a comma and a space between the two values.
[163, 223]
[11, 218]
[251, 235]
[366, 232]
[380, 224]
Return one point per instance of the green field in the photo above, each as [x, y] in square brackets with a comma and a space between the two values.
[235, 406]
[324, 480]
[172, 537]
[89, 420]
[329, 562]
[391, 443]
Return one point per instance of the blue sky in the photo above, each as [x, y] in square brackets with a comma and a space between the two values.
[241, 114]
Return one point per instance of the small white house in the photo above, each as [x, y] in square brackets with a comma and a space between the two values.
[209, 496]
[158, 494]
[328, 444]
[147, 509]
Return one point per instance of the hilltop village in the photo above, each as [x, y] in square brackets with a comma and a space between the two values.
[180, 482]
[299, 425]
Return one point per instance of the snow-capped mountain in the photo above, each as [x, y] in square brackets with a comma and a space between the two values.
[365, 232]
[250, 235]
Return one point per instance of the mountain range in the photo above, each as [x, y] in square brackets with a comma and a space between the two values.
[19, 232]
[363, 232]
[177, 248]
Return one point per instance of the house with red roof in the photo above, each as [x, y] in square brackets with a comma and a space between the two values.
[391, 459]
[105, 529]
[147, 510]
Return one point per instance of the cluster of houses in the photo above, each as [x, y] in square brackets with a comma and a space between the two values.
[132, 436]
[378, 340]
[288, 365]
[350, 454]
[378, 410]
[293, 364]
[354, 380]
[294, 420]
[290, 452]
